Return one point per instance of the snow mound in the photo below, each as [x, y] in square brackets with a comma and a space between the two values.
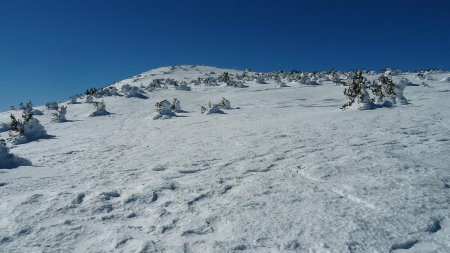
[4, 127]
[446, 79]
[8, 160]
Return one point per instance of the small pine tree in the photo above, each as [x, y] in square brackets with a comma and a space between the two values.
[176, 105]
[385, 92]
[225, 104]
[52, 105]
[211, 108]
[60, 115]
[163, 109]
[100, 109]
[25, 130]
[357, 93]
[89, 99]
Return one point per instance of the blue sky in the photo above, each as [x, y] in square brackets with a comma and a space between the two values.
[52, 49]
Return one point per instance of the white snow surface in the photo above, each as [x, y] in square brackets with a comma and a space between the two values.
[287, 172]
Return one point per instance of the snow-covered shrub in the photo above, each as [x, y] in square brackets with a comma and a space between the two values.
[91, 92]
[280, 84]
[133, 92]
[237, 84]
[357, 94]
[100, 109]
[446, 79]
[73, 100]
[398, 90]
[392, 72]
[12, 108]
[260, 79]
[210, 81]
[225, 104]
[28, 107]
[89, 99]
[52, 105]
[8, 160]
[163, 110]
[420, 75]
[211, 108]
[60, 115]
[424, 84]
[383, 91]
[176, 105]
[313, 81]
[25, 130]
[225, 78]
[182, 86]
[113, 91]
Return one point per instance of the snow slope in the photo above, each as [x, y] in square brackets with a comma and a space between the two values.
[287, 172]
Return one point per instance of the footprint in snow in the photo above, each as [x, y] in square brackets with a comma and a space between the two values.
[79, 198]
[434, 227]
[108, 195]
[403, 245]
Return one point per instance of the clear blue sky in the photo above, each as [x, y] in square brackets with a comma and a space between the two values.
[51, 49]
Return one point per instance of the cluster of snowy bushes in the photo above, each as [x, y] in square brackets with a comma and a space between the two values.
[166, 110]
[216, 107]
[384, 92]
[26, 129]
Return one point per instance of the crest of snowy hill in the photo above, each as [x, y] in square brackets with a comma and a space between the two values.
[183, 73]
[203, 159]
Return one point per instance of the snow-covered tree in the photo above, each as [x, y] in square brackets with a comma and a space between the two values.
[225, 104]
[51, 105]
[357, 94]
[211, 108]
[176, 105]
[280, 84]
[28, 107]
[225, 77]
[25, 130]
[260, 79]
[60, 115]
[89, 99]
[399, 89]
[163, 110]
[8, 160]
[182, 86]
[383, 91]
[100, 109]
[133, 92]
[73, 100]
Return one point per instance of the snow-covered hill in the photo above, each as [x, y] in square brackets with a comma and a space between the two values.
[286, 172]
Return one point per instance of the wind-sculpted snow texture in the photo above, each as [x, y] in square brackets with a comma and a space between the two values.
[288, 172]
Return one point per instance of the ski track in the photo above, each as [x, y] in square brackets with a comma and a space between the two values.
[287, 172]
